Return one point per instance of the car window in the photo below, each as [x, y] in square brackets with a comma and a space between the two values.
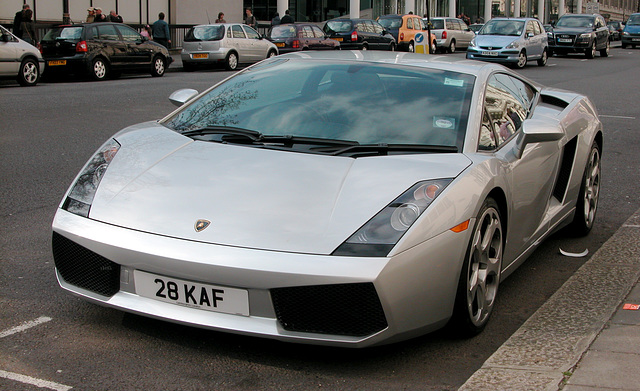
[530, 28]
[503, 27]
[507, 102]
[538, 27]
[348, 98]
[409, 23]
[633, 20]
[129, 34]
[317, 32]
[449, 24]
[237, 32]
[108, 32]
[377, 27]
[205, 33]
[251, 33]
[575, 21]
[339, 26]
[487, 140]
[417, 24]
[390, 23]
[70, 33]
[438, 24]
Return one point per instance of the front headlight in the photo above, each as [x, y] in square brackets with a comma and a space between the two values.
[585, 36]
[625, 33]
[473, 42]
[84, 189]
[513, 45]
[378, 236]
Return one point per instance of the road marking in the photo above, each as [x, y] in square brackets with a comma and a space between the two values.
[24, 326]
[616, 116]
[32, 380]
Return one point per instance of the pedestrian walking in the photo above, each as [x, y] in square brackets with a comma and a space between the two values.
[249, 19]
[160, 31]
[113, 17]
[286, 18]
[221, 18]
[17, 21]
[28, 28]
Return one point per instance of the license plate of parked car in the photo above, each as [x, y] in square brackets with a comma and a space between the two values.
[192, 294]
[565, 40]
[201, 55]
[57, 62]
[636, 39]
[489, 53]
[280, 44]
[338, 39]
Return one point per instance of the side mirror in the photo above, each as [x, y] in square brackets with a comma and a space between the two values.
[536, 131]
[6, 37]
[529, 35]
[180, 97]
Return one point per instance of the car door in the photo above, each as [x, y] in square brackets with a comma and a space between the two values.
[466, 34]
[323, 43]
[8, 53]
[257, 46]
[111, 46]
[138, 54]
[531, 41]
[602, 32]
[241, 44]
[507, 105]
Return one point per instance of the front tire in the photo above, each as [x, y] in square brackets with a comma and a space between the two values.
[480, 275]
[587, 203]
[272, 53]
[605, 52]
[99, 69]
[522, 60]
[231, 62]
[591, 53]
[29, 73]
[158, 67]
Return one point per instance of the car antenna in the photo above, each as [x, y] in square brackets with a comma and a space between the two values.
[208, 18]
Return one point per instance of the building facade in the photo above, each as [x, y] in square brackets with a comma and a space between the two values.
[189, 12]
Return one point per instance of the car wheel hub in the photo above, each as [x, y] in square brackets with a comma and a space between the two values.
[592, 188]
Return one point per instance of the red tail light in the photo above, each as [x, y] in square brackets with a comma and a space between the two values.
[402, 36]
[444, 35]
[354, 36]
[295, 44]
[81, 47]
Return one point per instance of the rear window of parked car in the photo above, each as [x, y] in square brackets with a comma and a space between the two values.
[339, 26]
[391, 23]
[64, 33]
[284, 31]
[205, 33]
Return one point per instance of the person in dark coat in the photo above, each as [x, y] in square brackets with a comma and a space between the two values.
[286, 18]
[160, 31]
[100, 17]
[17, 21]
[113, 17]
[28, 29]
[276, 20]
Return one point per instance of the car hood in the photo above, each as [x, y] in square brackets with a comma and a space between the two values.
[496, 41]
[632, 29]
[162, 182]
[571, 30]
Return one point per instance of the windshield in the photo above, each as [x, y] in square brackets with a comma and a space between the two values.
[362, 103]
[575, 21]
[283, 31]
[503, 27]
[634, 19]
[63, 33]
[205, 33]
[390, 23]
[339, 26]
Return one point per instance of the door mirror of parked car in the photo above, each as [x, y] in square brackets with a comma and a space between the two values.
[180, 97]
[536, 131]
[6, 37]
[529, 35]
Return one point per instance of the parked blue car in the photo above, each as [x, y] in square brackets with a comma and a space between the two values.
[631, 32]
[513, 41]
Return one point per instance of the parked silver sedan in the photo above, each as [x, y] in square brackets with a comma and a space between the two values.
[19, 59]
[226, 44]
[285, 202]
[513, 41]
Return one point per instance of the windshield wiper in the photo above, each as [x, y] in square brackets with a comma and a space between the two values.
[252, 135]
[290, 140]
[385, 149]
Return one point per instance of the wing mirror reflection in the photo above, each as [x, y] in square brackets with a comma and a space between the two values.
[536, 131]
[180, 97]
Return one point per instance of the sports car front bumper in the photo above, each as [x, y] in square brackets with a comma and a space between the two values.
[317, 299]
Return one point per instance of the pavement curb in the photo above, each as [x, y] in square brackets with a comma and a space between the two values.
[547, 347]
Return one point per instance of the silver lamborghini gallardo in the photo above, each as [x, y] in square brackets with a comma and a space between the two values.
[343, 198]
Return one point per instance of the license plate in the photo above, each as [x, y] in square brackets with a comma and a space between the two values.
[564, 40]
[635, 39]
[280, 44]
[489, 53]
[338, 39]
[192, 294]
[57, 62]
[201, 55]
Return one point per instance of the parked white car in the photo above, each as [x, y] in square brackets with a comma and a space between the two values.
[227, 44]
[19, 59]
[451, 34]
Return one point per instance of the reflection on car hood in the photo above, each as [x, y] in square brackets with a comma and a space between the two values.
[496, 41]
[162, 182]
[632, 29]
[572, 30]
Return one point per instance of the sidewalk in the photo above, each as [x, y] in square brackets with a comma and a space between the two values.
[582, 338]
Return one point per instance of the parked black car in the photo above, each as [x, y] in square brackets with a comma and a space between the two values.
[615, 29]
[580, 33]
[101, 50]
[359, 34]
[295, 37]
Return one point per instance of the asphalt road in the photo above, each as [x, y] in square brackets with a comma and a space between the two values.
[49, 131]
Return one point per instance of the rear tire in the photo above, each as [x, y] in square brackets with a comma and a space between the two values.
[480, 275]
[543, 60]
[392, 47]
[452, 47]
[99, 69]
[29, 73]
[231, 62]
[411, 48]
